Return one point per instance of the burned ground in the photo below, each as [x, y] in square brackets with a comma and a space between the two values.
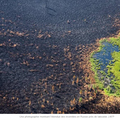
[44, 54]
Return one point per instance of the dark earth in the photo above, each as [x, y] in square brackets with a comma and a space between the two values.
[41, 47]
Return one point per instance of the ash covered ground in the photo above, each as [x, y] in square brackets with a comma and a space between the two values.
[42, 51]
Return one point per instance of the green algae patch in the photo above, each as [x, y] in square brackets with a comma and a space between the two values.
[105, 64]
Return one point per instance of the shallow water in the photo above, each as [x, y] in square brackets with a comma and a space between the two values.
[105, 56]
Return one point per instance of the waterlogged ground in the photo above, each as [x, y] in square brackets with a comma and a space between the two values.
[104, 56]
[107, 65]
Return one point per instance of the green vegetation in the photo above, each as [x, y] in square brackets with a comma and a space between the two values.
[115, 41]
[80, 99]
[113, 72]
[115, 67]
[102, 72]
[95, 66]
[96, 91]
